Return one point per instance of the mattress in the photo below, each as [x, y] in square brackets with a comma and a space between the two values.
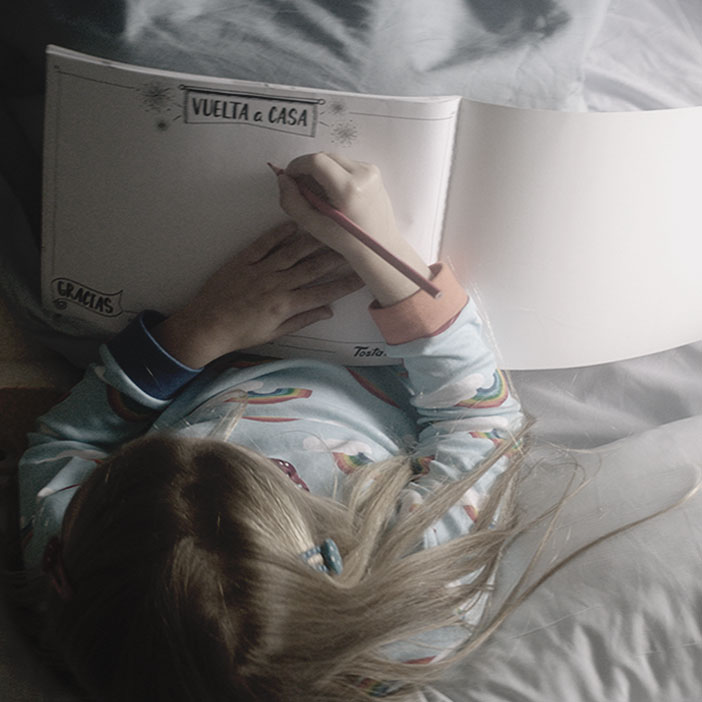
[621, 621]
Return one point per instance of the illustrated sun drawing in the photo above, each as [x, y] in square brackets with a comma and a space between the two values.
[156, 97]
[344, 133]
[337, 107]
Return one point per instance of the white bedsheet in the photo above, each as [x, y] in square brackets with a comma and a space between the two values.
[647, 56]
[620, 623]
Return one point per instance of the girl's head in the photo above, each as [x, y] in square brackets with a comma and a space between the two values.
[187, 581]
[169, 548]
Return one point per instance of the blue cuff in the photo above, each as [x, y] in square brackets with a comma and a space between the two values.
[146, 362]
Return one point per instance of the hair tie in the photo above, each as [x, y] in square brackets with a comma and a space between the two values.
[53, 567]
[331, 558]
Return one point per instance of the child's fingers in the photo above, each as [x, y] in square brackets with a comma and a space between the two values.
[346, 163]
[294, 249]
[304, 319]
[261, 247]
[280, 248]
[298, 208]
[310, 304]
[292, 201]
[324, 293]
[331, 175]
[314, 268]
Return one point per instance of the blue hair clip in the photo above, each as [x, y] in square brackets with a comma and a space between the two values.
[332, 563]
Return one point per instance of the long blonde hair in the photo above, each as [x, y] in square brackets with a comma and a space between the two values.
[187, 581]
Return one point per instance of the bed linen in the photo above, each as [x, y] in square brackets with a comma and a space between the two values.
[620, 622]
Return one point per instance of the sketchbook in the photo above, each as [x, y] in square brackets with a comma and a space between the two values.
[577, 234]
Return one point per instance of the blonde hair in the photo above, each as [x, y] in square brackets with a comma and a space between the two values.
[187, 581]
[187, 586]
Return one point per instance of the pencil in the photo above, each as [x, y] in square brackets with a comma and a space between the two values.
[352, 228]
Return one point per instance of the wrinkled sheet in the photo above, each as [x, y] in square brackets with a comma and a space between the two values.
[620, 622]
[647, 56]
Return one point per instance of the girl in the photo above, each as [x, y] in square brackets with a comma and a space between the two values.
[218, 526]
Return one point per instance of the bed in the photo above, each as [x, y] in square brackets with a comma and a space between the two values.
[622, 620]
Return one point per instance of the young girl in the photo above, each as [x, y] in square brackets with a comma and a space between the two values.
[219, 526]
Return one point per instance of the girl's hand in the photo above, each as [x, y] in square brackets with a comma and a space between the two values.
[271, 288]
[357, 190]
[353, 187]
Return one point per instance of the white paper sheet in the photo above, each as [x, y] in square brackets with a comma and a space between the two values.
[579, 233]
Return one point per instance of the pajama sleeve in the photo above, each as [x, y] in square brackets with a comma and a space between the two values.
[464, 409]
[117, 400]
[463, 401]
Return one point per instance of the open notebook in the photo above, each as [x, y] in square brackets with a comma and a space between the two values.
[576, 233]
